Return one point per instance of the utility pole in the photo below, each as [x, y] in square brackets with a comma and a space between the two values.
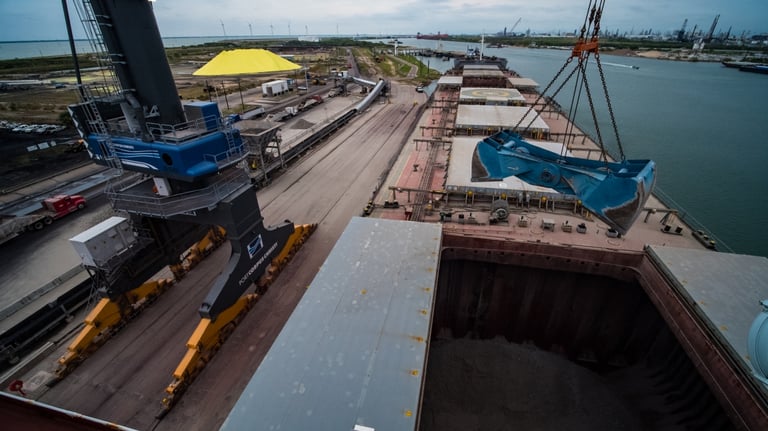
[242, 102]
[224, 90]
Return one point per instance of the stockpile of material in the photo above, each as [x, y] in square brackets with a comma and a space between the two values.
[494, 385]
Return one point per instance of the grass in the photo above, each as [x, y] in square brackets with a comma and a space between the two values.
[36, 105]
[425, 74]
[36, 66]
[44, 104]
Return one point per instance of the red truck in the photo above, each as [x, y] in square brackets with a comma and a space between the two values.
[51, 209]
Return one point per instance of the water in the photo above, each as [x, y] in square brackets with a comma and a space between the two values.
[704, 125]
[45, 48]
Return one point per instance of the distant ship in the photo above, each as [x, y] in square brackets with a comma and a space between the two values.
[438, 36]
[738, 64]
[747, 66]
[755, 68]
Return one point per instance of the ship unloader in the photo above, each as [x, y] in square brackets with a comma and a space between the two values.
[193, 190]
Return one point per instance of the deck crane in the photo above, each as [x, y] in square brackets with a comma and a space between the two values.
[190, 184]
[615, 192]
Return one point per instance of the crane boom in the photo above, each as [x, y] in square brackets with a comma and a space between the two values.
[711, 31]
[681, 32]
[512, 29]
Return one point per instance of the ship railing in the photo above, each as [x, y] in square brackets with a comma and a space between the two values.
[140, 198]
[689, 219]
[667, 201]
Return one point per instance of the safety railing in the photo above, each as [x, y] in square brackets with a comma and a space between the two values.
[176, 133]
[140, 198]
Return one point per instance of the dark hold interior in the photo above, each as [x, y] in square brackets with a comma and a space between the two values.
[527, 342]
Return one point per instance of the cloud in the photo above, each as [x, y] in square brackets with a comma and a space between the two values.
[43, 19]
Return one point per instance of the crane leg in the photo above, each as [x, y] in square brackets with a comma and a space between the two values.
[259, 253]
[111, 313]
[105, 320]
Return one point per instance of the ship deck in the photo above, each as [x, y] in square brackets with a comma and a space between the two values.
[433, 171]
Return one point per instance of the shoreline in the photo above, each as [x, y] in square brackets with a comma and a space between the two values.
[677, 55]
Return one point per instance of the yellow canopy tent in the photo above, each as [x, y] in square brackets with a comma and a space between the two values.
[245, 62]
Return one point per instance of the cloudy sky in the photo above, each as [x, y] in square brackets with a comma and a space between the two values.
[43, 19]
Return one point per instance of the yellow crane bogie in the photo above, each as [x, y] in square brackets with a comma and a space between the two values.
[203, 344]
[211, 334]
[105, 319]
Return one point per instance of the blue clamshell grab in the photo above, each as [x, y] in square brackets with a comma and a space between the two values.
[615, 192]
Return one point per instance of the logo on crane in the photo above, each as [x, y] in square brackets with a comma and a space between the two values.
[254, 246]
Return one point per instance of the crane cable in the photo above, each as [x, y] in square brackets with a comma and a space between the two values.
[581, 50]
[610, 107]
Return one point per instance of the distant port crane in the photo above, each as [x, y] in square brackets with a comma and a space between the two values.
[711, 31]
[681, 32]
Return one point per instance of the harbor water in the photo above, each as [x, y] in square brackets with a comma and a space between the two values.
[704, 125]
[46, 48]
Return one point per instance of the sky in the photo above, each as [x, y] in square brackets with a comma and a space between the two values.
[44, 20]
